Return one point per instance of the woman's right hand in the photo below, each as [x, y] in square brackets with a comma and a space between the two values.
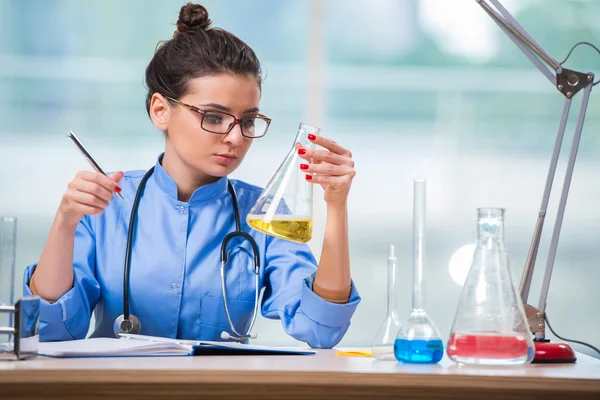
[88, 194]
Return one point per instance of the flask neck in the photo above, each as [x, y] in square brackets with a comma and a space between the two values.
[302, 136]
[419, 188]
[391, 290]
[490, 224]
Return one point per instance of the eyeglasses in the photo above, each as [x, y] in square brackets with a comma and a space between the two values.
[220, 122]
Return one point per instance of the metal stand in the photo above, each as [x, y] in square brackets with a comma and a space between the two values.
[25, 338]
[568, 83]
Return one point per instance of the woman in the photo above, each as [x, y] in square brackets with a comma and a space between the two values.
[204, 87]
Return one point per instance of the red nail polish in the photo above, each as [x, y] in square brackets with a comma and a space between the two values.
[303, 166]
[301, 151]
[311, 136]
[308, 177]
[118, 189]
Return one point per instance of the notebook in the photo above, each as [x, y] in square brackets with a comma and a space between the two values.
[140, 345]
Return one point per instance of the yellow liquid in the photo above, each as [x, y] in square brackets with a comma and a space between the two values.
[295, 230]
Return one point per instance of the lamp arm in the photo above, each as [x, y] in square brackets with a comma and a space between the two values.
[569, 83]
[563, 198]
[527, 37]
[537, 235]
[522, 39]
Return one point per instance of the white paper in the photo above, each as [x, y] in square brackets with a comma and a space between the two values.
[142, 345]
[96, 347]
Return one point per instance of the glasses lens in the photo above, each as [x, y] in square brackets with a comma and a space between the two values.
[254, 127]
[216, 122]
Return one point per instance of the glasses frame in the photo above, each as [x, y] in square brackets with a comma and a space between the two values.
[231, 126]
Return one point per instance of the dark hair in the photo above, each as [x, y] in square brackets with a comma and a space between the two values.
[197, 50]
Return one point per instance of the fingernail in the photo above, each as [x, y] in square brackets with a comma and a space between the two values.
[303, 166]
[118, 189]
[311, 136]
[301, 151]
[308, 177]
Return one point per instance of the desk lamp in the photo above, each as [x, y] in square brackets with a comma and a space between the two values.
[568, 83]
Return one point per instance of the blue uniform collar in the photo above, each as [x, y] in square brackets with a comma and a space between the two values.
[203, 193]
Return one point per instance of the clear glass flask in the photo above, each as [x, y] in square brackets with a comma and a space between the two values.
[284, 209]
[8, 245]
[383, 345]
[490, 327]
[418, 341]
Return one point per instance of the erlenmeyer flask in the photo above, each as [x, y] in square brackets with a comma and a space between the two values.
[284, 208]
[490, 327]
[383, 345]
[418, 341]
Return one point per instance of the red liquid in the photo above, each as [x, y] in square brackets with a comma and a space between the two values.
[487, 345]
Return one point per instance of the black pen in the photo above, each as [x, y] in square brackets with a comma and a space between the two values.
[88, 156]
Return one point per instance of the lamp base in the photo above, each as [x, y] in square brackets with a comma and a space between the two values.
[553, 353]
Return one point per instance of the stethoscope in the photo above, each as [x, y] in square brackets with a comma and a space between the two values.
[129, 323]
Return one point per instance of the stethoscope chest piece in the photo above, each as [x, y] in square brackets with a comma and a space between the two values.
[131, 325]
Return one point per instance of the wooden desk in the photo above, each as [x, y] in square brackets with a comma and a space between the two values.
[321, 376]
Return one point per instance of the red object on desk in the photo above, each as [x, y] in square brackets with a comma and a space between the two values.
[548, 352]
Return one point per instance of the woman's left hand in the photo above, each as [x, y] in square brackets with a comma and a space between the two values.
[333, 168]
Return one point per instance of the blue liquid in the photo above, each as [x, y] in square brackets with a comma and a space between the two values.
[418, 351]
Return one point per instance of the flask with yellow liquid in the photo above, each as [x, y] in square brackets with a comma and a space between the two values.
[284, 208]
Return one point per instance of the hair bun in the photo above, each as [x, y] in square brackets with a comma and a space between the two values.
[192, 17]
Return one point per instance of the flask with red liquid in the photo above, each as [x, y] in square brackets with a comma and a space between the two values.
[490, 326]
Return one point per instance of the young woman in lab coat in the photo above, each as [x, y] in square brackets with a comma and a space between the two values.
[201, 76]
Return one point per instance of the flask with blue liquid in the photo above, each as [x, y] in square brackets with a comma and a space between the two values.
[418, 341]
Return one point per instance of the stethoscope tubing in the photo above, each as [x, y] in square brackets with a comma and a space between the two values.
[126, 318]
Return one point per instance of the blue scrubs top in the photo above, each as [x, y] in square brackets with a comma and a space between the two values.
[175, 282]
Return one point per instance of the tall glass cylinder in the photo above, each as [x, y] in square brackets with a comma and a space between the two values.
[8, 246]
